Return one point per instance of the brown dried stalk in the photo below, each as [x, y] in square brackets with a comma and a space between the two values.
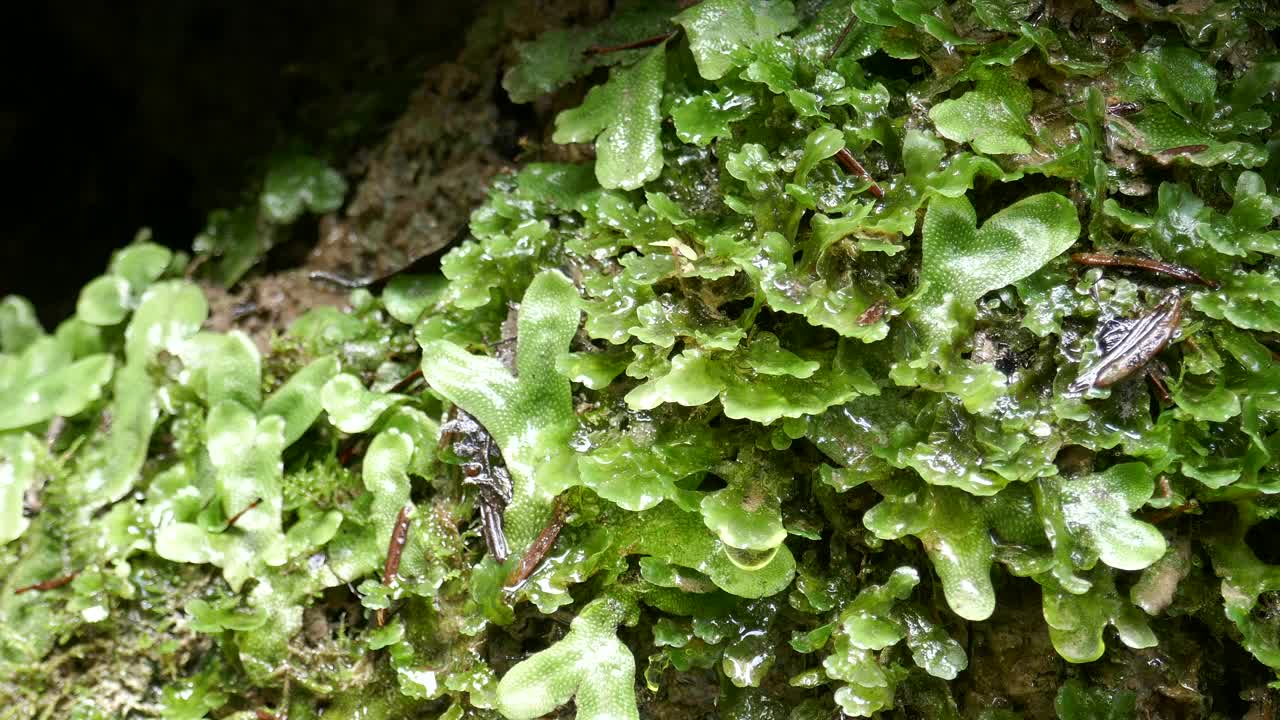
[235, 518]
[1179, 272]
[399, 536]
[840, 40]
[1182, 150]
[851, 164]
[47, 584]
[641, 43]
[539, 549]
[406, 381]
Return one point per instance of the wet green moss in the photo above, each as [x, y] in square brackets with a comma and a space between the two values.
[810, 430]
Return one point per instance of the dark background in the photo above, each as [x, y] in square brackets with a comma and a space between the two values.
[116, 116]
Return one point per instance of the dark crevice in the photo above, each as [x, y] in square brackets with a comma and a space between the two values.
[152, 114]
[1264, 539]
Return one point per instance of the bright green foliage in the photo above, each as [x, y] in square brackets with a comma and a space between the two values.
[300, 400]
[992, 117]
[1077, 621]
[719, 28]
[19, 326]
[638, 473]
[1077, 702]
[298, 184]
[623, 113]
[18, 455]
[680, 538]
[237, 239]
[590, 665]
[561, 56]
[351, 407]
[762, 382]
[108, 299]
[245, 456]
[1088, 519]
[747, 514]
[812, 440]
[1245, 579]
[703, 118]
[877, 619]
[42, 384]
[244, 452]
[529, 414]
[407, 297]
[948, 524]
[962, 262]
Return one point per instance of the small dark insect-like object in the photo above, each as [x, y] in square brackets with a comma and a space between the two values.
[1124, 108]
[484, 468]
[1037, 11]
[872, 314]
[1127, 345]
[1179, 272]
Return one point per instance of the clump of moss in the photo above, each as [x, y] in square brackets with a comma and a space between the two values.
[786, 383]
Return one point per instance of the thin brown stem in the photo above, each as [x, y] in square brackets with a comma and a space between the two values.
[840, 40]
[1159, 516]
[406, 381]
[347, 451]
[236, 518]
[47, 584]
[851, 164]
[399, 535]
[641, 43]
[1161, 390]
[1179, 272]
[1182, 150]
[539, 549]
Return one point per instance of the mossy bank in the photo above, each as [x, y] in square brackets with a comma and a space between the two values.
[894, 358]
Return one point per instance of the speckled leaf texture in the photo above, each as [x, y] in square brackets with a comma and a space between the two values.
[622, 117]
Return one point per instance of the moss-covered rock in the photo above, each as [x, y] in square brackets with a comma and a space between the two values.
[879, 348]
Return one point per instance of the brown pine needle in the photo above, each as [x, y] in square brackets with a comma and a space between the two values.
[47, 584]
[539, 549]
[1180, 272]
[851, 164]
[399, 536]
[840, 40]
[235, 518]
[641, 43]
